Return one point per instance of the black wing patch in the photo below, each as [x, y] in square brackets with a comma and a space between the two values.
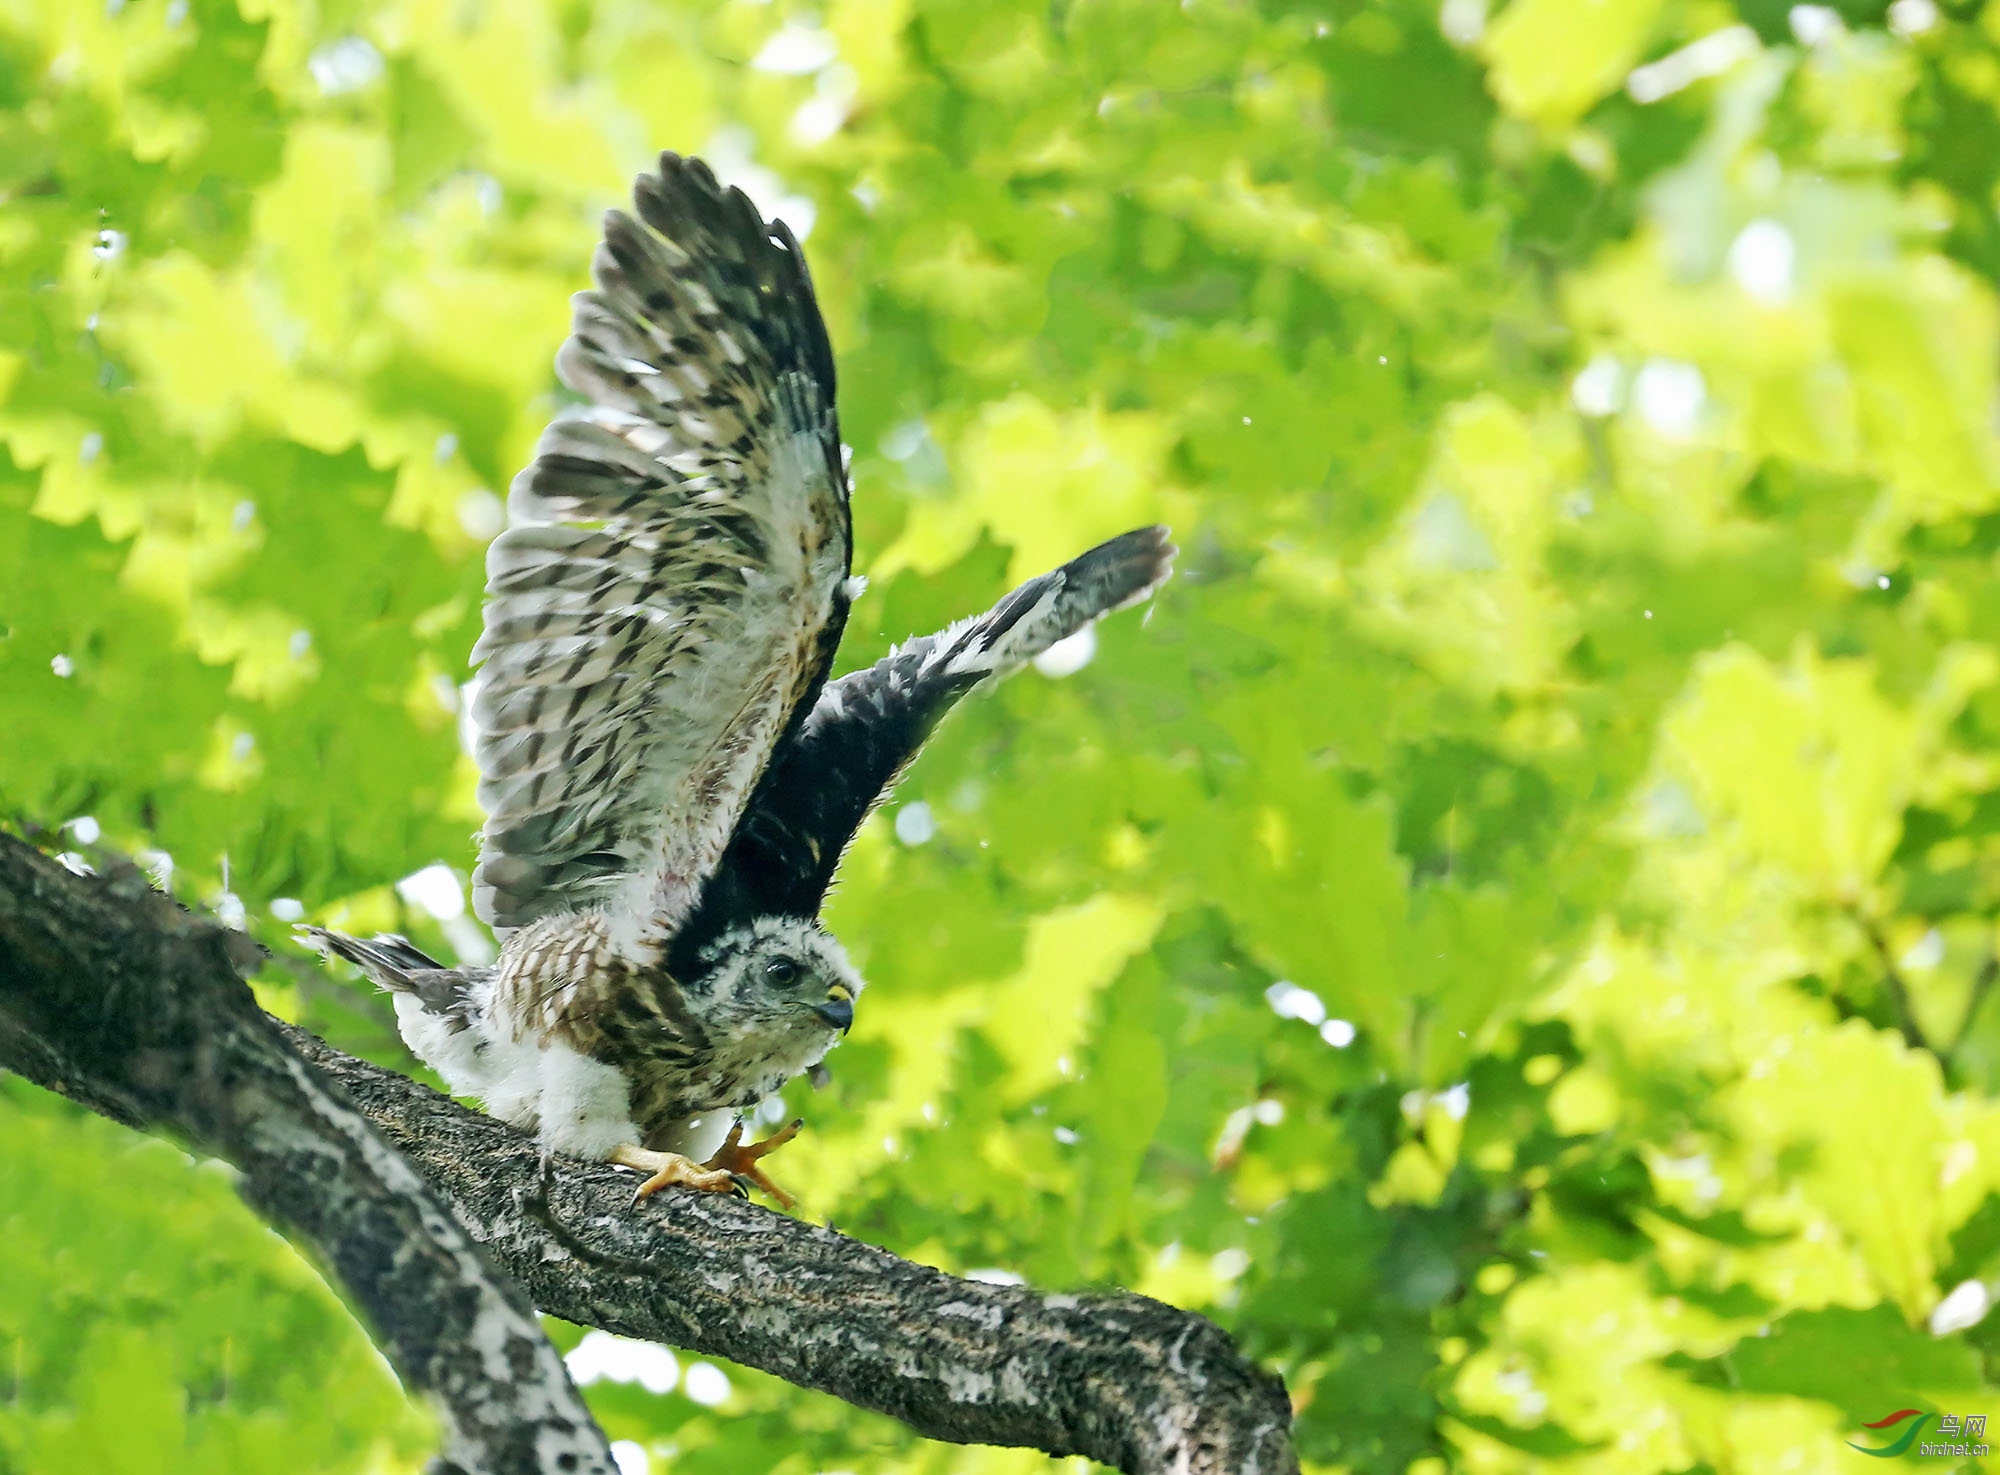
[866, 727]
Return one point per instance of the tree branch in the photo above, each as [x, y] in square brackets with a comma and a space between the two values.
[1892, 977]
[118, 999]
[1982, 984]
[1127, 1381]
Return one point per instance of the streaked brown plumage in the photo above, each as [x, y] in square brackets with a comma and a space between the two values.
[668, 778]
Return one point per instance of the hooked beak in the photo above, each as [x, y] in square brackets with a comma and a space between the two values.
[838, 1010]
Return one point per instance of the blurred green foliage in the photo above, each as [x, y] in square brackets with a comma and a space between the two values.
[1510, 934]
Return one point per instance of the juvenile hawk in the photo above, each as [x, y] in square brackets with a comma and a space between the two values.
[668, 777]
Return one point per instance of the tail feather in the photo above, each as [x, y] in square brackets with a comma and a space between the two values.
[388, 960]
[396, 964]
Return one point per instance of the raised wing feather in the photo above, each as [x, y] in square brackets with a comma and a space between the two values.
[672, 586]
[865, 728]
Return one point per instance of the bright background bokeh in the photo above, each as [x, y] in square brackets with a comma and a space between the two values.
[1510, 933]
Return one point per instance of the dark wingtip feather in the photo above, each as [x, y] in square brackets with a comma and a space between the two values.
[1127, 569]
[685, 203]
[1116, 574]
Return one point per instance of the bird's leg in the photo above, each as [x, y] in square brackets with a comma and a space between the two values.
[667, 1168]
[740, 1161]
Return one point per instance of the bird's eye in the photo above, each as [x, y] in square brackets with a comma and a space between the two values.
[781, 972]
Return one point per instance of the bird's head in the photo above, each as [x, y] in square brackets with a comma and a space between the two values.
[781, 986]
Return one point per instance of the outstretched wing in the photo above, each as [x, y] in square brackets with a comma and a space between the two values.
[672, 585]
[868, 725]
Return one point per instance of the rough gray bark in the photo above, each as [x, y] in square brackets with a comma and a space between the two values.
[1127, 1381]
[115, 997]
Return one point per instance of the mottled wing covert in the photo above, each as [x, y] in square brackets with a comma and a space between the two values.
[672, 585]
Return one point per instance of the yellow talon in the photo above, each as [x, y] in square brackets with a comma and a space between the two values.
[667, 1168]
[741, 1162]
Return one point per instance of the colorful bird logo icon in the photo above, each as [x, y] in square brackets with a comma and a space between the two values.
[1908, 1437]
